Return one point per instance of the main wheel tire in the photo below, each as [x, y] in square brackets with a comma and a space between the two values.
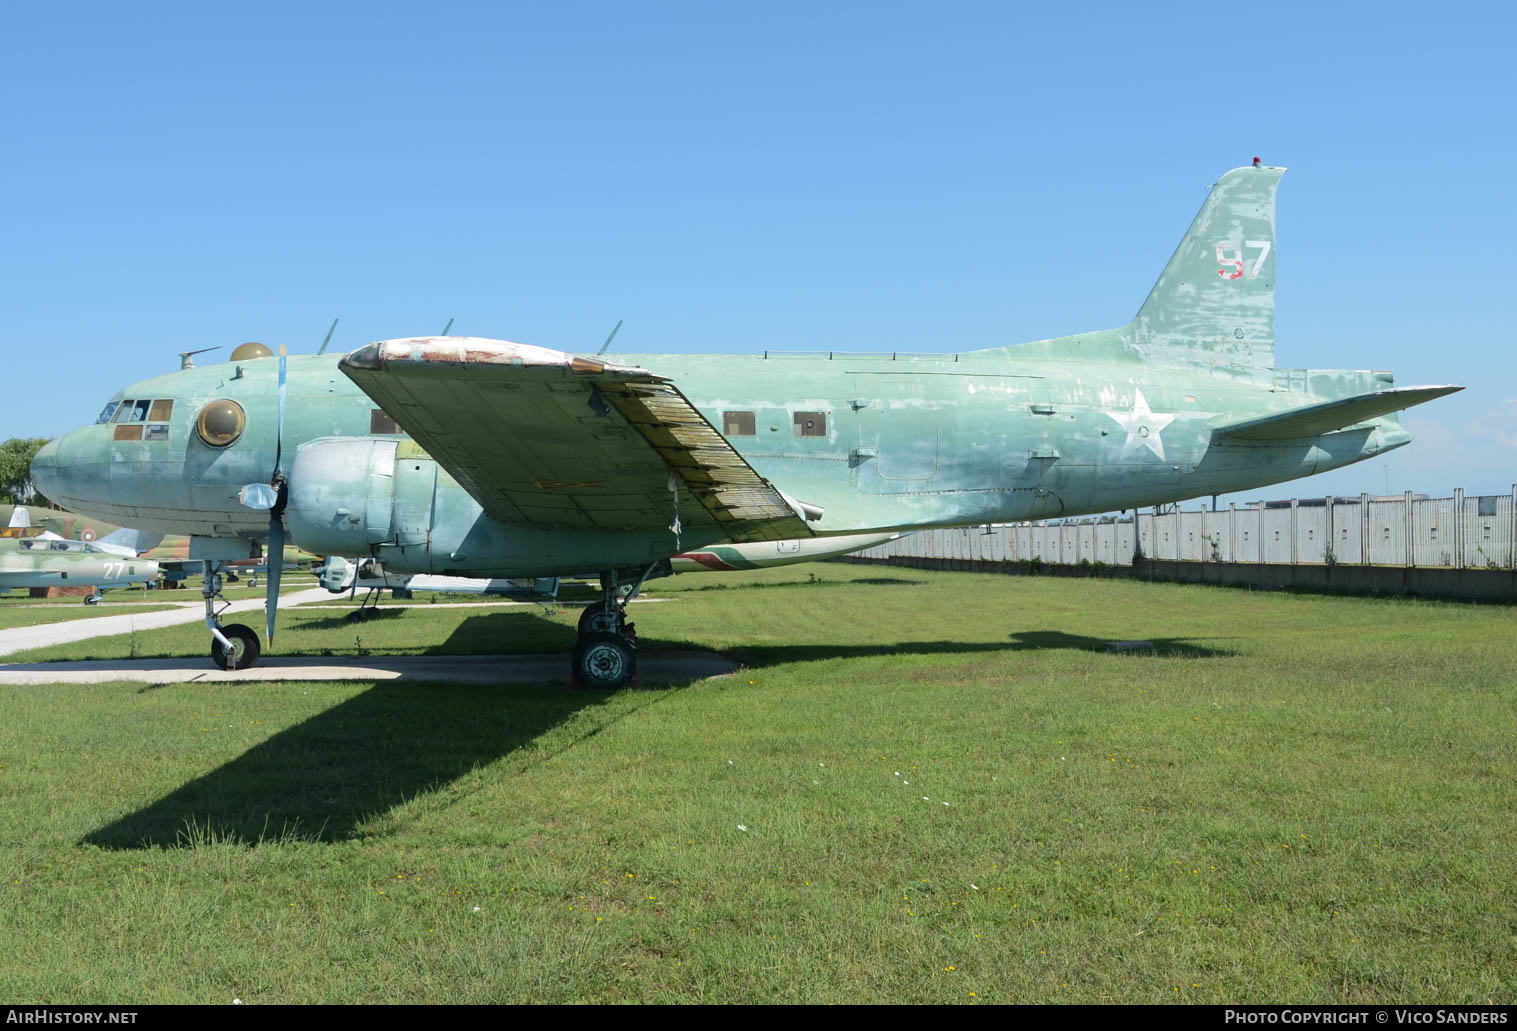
[92, 599]
[245, 648]
[593, 620]
[604, 662]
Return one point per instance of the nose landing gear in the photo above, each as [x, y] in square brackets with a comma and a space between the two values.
[233, 646]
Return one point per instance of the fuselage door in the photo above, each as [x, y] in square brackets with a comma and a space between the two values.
[898, 434]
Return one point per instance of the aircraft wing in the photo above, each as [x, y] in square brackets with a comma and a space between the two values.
[1314, 420]
[543, 438]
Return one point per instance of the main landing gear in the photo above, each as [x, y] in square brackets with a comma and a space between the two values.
[233, 646]
[605, 657]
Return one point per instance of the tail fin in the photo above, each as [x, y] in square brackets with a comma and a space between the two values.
[20, 517]
[127, 541]
[1215, 302]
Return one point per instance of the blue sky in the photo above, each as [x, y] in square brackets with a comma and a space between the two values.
[733, 177]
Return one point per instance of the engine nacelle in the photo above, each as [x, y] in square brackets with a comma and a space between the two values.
[386, 498]
[353, 495]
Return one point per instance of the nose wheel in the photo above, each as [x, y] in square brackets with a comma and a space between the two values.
[233, 646]
[244, 649]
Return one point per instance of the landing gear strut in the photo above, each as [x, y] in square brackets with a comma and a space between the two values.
[605, 657]
[234, 646]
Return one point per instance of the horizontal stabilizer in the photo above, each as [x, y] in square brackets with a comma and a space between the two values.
[1315, 420]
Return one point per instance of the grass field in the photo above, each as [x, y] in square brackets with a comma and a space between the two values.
[1290, 798]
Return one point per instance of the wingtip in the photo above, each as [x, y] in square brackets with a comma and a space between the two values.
[366, 357]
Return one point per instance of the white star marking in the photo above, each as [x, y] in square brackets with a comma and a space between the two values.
[1142, 426]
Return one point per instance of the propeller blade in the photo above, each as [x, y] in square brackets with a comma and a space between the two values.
[279, 433]
[274, 559]
[274, 551]
[325, 342]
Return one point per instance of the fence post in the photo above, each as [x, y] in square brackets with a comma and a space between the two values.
[1409, 526]
[1366, 525]
[1295, 529]
[1327, 545]
[1459, 562]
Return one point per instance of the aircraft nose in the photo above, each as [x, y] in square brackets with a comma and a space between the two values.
[45, 469]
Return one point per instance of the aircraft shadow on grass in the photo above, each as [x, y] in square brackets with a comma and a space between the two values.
[757, 656]
[323, 778]
[345, 620]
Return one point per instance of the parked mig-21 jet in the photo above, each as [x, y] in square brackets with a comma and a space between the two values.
[31, 556]
[469, 457]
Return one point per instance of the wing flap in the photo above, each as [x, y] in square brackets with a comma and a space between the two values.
[1315, 420]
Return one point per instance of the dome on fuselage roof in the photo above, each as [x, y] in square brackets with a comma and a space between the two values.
[251, 349]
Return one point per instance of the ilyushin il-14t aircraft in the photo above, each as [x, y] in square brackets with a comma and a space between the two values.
[463, 456]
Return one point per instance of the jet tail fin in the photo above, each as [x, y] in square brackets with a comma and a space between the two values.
[1315, 420]
[20, 517]
[127, 541]
[1215, 301]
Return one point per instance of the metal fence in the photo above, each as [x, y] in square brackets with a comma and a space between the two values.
[1461, 532]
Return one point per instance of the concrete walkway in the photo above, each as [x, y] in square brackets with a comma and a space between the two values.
[652, 668]
[23, 638]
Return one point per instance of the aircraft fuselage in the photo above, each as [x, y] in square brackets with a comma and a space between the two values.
[879, 442]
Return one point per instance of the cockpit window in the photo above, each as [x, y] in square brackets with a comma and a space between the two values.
[162, 409]
[220, 422]
[108, 411]
[133, 411]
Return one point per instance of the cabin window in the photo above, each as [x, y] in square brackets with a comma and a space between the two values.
[108, 411]
[811, 424]
[161, 411]
[379, 422]
[128, 432]
[739, 424]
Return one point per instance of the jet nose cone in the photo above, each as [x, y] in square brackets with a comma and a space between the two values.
[45, 469]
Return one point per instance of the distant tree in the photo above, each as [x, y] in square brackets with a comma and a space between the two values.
[16, 486]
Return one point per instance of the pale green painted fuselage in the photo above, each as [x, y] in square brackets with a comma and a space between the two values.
[910, 442]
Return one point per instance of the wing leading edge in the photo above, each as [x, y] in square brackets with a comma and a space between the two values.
[544, 438]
